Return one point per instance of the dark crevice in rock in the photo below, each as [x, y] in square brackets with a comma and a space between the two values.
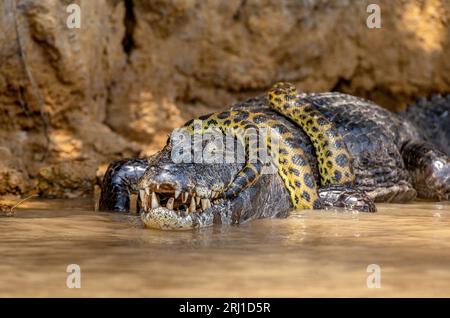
[128, 43]
[342, 85]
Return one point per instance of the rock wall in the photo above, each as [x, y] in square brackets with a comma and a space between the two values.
[74, 99]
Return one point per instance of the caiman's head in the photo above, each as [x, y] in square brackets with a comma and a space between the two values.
[185, 195]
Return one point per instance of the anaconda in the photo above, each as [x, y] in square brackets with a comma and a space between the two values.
[335, 150]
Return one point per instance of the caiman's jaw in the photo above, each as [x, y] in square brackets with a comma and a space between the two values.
[167, 207]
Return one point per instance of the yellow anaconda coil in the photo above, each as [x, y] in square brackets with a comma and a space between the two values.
[292, 163]
[333, 157]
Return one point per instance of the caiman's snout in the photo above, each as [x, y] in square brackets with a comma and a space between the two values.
[172, 201]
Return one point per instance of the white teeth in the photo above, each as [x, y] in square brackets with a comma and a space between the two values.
[170, 203]
[192, 207]
[185, 212]
[185, 196]
[214, 194]
[143, 197]
[157, 186]
[177, 194]
[205, 204]
[197, 200]
[147, 191]
[155, 203]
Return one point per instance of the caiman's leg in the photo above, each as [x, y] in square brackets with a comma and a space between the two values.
[429, 169]
[339, 196]
[119, 182]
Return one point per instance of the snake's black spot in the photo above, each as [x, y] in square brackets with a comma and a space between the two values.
[328, 153]
[205, 117]
[329, 164]
[224, 115]
[297, 199]
[307, 178]
[309, 122]
[298, 160]
[320, 137]
[240, 116]
[326, 143]
[284, 171]
[298, 184]
[321, 121]
[303, 117]
[283, 151]
[277, 100]
[337, 176]
[306, 196]
[342, 160]
[227, 122]
[212, 122]
[315, 129]
[294, 171]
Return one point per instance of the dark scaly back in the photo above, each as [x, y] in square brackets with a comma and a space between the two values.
[431, 116]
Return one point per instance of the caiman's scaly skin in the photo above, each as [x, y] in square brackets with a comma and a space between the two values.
[389, 161]
[294, 167]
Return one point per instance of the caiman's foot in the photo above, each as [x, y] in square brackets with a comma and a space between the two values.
[339, 196]
[119, 182]
[429, 168]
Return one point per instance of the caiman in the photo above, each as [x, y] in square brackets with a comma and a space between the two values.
[322, 151]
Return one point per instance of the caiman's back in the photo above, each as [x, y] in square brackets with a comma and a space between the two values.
[375, 138]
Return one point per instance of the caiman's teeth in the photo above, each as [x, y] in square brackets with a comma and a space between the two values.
[214, 194]
[143, 198]
[147, 191]
[185, 196]
[185, 212]
[170, 203]
[177, 193]
[205, 204]
[155, 203]
[192, 207]
[197, 200]
[157, 186]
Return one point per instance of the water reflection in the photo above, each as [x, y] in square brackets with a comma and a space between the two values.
[312, 253]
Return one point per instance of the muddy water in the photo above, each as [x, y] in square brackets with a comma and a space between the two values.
[309, 254]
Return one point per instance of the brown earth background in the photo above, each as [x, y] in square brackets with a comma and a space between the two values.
[71, 100]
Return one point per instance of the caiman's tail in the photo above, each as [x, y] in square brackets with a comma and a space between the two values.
[432, 118]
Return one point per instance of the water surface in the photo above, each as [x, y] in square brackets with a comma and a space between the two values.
[311, 253]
